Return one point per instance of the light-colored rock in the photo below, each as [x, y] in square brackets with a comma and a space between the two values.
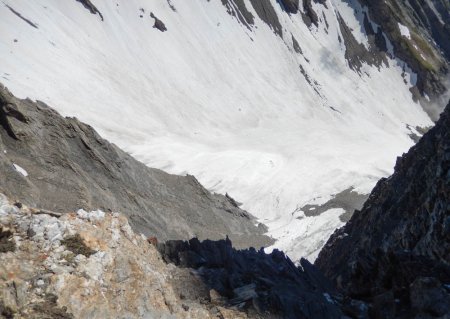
[125, 277]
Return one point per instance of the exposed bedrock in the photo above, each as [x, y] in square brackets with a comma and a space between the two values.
[91, 7]
[427, 49]
[398, 246]
[238, 9]
[158, 23]
[290, 6]
[255, 281]
[309, 16]
[267, 13]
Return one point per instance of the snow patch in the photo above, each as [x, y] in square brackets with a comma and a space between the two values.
[20, 170]
[328, 297]
[404, 31]
[303, 236]
[93, 216]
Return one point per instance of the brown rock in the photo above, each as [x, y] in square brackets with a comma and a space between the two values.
[153, 241]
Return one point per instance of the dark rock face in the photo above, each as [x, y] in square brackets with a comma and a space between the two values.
[158, 23]
[254, 280]
[291, 6]
[322, 2]
[348, 199]
[356, 53]
[89, 6]
[296, 46]
[263, 8]
[238, 9]
[396, 249]
[267, 13]
[28, 21]
[438, 28]
[70, 167]
[6, 241]
[309, 16]
[428, 296]
[429, 23]
[430, 16]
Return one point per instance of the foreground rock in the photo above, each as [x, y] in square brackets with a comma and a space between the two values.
[90, 265]
[395, 252]
[61, 164]
[256, 282]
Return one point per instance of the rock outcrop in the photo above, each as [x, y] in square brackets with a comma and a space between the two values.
[290, 6]
[91, 7]
[395, 252]
[267, 13]
[28, 21]
[256, 282]
[61, 164]
[238, 9]
[356, 53]
[91, 265]
[158, 23]
[427, 49]
[309, 16]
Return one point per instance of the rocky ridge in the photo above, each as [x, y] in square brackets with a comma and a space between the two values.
[256, 282]
[61, 164]
[90, 265]
[396, 250]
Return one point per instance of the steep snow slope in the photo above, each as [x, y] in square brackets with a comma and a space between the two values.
[248, 112]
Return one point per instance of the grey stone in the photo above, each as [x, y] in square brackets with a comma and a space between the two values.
[158, 23]
[348, 199]
[267, 13]
[428, 295]
[90, 7]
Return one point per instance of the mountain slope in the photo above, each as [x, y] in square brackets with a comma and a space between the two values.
[420, 35]
[91, 264]
[282, 105]
[61, 164]
[399, 242]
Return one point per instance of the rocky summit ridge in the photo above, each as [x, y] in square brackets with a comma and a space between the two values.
[89, 265]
